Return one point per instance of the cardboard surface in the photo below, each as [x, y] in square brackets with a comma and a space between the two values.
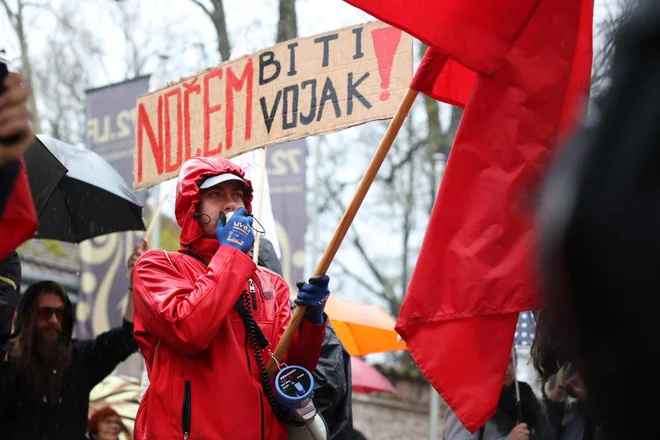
[303, 87]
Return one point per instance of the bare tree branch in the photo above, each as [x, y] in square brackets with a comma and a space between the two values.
[357, 243]
[415, 147]
[346, 271]
[201, 5]
[10, 14]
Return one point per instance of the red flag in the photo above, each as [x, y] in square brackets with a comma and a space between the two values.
[19, 219]
[475, 271]
[443, 79]
[476, 33]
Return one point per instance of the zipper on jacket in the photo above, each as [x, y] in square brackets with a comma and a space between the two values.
[253, 293]
[186, 412]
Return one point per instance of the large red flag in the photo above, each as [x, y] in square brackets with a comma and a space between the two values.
[476, 33]
[19, 219]
[475, 271]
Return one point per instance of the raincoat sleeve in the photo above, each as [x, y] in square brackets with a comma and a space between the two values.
[187, 315]
[102, 354]
[305, 347]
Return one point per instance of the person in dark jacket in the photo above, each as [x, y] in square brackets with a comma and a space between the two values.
[10, 282]
[571, 419]
[600, 242]
[46, 378]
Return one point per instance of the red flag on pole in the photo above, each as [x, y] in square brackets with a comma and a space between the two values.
[476, 33]
[19, 219]
[475, 271]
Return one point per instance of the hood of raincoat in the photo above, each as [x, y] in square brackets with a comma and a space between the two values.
[192, 173]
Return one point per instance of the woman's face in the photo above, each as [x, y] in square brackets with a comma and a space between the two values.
[109, 428]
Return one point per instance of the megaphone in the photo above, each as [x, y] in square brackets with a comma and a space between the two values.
[294, 390]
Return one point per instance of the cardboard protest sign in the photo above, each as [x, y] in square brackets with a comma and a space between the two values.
[298, 88]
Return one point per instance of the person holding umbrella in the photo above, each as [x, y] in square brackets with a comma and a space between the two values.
[206, 318]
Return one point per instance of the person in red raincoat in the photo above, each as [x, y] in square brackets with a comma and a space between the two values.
[205, 378]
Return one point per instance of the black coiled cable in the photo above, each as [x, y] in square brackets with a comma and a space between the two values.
[265, 381]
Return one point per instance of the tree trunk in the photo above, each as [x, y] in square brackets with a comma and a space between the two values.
[408, 224]
[434, 141]
[16, 19]
[220, 22]
[287, 26]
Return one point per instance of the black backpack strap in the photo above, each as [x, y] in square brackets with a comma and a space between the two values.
[481, 432]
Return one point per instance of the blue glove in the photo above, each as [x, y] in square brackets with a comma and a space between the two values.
[237, 232]
[314, 296]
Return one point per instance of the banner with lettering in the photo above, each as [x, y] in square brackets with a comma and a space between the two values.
[103, 281]
[286, 165]
[303, 87]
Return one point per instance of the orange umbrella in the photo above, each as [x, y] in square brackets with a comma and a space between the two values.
[363, 328]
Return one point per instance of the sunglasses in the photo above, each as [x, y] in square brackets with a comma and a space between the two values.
[45, 313]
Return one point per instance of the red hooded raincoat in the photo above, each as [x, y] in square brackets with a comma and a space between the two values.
[194, 342]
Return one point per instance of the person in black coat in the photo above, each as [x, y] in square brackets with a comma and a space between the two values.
[46, 376]
[10, 282]
[600, 240]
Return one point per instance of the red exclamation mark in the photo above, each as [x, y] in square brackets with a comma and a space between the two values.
[386, 41]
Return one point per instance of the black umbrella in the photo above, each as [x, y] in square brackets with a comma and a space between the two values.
[92, 199]
[44, 174]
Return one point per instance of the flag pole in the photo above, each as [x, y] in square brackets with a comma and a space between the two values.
[347, 219]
